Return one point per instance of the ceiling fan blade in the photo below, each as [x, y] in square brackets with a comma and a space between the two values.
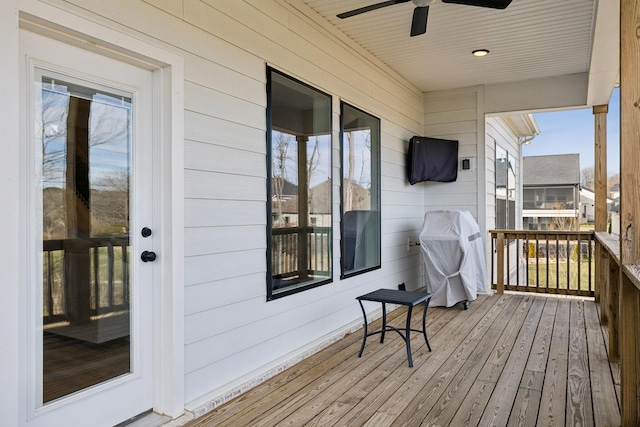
[495, 4]
[419, 22]
[370, 8]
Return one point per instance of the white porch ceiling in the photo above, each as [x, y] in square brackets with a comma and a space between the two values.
[530, 39]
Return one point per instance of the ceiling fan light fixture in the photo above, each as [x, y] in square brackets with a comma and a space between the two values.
[480, 52]
[422, 3]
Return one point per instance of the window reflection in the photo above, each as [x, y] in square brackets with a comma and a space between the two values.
[300, 190]
[360, 191]
[84, 137]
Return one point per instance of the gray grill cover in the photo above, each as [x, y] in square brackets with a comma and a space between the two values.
[453, 256]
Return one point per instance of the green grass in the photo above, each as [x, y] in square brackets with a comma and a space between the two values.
[557, 275]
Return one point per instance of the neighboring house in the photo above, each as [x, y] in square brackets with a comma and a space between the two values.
[614, 191]
[551, 192]
[587, 205]
[170, 113]
[615, 220]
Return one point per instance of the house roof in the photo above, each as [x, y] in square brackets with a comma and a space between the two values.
[559, 169]
[566, 48]
[587, 194]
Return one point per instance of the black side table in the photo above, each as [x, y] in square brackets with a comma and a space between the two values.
[392, 296]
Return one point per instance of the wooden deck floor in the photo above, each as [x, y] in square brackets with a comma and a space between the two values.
[508, 360]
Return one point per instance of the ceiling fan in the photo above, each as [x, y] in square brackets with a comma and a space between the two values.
[420, 13]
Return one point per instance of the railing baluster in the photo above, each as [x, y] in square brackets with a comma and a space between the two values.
[557, 261]
[537, 265]
[50, 283]
[518, 258]
[579, 263]
[500, 266]
[546, 244]
[591, 243]
[493, 251]
[96, 278]
[508, 240]
[568, 262]
[125, 275]
[110, 266]
[321, 252]
[527, 261]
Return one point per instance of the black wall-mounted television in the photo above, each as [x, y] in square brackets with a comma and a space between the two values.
[432, 159]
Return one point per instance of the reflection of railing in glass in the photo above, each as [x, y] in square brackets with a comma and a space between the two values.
[109, 264]
[285, 262]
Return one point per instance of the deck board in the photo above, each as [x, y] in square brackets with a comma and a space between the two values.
[509, 360]
[605, 402]
[430, 393]
[579, 406]
[499, 406]
[526, 405]
[554, 390]
[387, 391]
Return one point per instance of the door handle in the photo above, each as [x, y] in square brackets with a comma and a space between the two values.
[148, 256]
[146, 232]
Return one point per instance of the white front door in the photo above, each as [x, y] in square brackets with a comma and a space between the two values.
[88, 144]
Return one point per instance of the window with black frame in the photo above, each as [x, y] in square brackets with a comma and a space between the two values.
[299, 186]
[360, 172]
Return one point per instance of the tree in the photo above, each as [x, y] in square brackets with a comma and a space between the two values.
[587, 177]
[280, 158]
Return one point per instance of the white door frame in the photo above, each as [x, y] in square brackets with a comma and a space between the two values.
[168, 299]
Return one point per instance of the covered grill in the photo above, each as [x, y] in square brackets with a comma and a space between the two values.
[454, 258]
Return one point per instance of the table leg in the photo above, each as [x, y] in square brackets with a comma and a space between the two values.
[424, 327]
[407, 337]
[364, 338]
[384, 322]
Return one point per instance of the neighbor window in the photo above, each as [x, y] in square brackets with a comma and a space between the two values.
[360, 147]
[299, 186]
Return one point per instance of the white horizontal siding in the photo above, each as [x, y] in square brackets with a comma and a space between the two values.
[232, 332]
[453, 115]
[207, 157]
[203, 213]
[199, 127]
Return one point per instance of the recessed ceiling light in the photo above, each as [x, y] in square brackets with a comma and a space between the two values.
[480, 52]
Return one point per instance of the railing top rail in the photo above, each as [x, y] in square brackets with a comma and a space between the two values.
[611, 243]
[293, 230]
[545, 232]
[58, 244]
[632, 271]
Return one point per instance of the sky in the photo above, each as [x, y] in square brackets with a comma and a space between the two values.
[572, 131]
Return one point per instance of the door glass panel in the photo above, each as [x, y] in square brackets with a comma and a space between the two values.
[83, 137]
